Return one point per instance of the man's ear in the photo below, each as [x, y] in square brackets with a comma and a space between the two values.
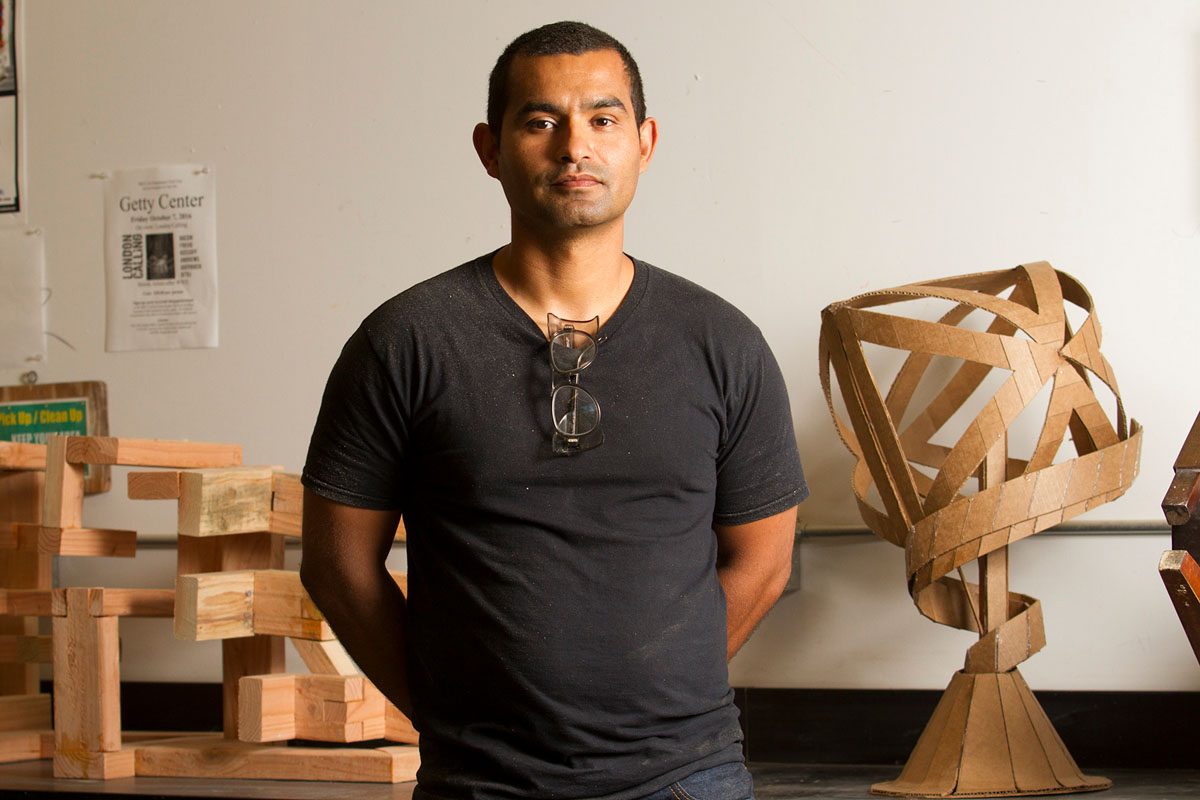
[647, 141]
[487, 147]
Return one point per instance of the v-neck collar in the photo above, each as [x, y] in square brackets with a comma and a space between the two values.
[608, 328]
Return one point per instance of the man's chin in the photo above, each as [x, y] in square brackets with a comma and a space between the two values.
[580, 216]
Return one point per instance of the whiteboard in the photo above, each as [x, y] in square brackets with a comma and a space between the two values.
[810, 151]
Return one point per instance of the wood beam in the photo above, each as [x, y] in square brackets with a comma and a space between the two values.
[153, 485]
[151, 452]
[87, 710]
[221, 758]
[18, 649]
[226, 501]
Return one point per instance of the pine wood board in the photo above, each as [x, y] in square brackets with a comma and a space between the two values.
[220, 758]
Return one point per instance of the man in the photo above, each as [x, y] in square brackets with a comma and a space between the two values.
[595, 464]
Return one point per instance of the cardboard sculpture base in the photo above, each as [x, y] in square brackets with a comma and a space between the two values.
[989, 737]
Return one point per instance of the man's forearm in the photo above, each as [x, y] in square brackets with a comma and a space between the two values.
[343, 568]
[749, 595]
[367, 614]
[754, 561]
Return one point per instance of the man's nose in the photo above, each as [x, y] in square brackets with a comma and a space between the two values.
[576, 143]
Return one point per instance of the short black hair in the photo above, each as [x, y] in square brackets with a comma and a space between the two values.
[558, 38]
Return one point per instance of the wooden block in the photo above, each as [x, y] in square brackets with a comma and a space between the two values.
[325, 708]
[1180, 501]
[324, 717]
[220, 758]
[287, 507]
[25, 712]
[287, 504]
[280, 608]
[153, 485]
[141, 737]
[214, 605]
[87, 710]
[62, 504]
[372, 713]
[21, 496]
[131, 602]
[285, 524]
[226, 501]
[22, 455]
[267, 708]
[26, 746]
[398, 727]
[372, 707]
[58, 602]
[287, 493]
[1181, 575]
[103, 766]
[26, 602]
[16, 649]
[331, 688]
[256, 655]
[93, 542]
[151, 452]
[325, 657]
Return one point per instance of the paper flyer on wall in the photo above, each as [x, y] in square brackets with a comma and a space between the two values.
[9, 128]
[22, 295]
[160, 255]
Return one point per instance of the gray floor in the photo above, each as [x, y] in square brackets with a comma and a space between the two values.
[34, 779]
[854, 782]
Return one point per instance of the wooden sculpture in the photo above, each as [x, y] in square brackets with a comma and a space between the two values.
[26, 560]
[949, 504]
[230, 586]
[25, 722]
[1179, 567]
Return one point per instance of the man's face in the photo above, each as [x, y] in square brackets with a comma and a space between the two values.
[570, 149]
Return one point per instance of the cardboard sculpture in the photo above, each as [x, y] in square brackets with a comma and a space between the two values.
[230, 586]
[1179, 567]
[988, 735]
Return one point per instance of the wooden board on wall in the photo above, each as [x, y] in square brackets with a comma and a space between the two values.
[95, 393]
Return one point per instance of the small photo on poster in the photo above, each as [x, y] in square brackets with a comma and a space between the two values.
[160, 256]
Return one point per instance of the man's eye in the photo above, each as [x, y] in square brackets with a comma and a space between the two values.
[604, 122]
[540, 124]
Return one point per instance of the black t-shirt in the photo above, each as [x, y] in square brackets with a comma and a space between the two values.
[566, 629]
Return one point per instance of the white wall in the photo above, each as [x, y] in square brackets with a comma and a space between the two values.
[810, 151]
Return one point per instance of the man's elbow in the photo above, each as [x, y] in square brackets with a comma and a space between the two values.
[778, 578]
[317, 580]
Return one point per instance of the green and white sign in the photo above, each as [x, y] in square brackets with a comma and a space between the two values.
[31, 421]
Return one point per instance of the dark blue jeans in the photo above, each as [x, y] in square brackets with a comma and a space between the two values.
[722, 782]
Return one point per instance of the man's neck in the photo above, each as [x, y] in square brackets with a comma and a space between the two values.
[577, 277]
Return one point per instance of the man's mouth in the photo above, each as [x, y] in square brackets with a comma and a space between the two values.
[577, 181]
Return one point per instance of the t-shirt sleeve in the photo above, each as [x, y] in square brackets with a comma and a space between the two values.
[758, 466]
[356, 454]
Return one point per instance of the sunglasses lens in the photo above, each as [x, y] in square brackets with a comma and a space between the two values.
[576, 412]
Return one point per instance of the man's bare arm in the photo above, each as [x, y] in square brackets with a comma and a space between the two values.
[754, 562]
[343, 570]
